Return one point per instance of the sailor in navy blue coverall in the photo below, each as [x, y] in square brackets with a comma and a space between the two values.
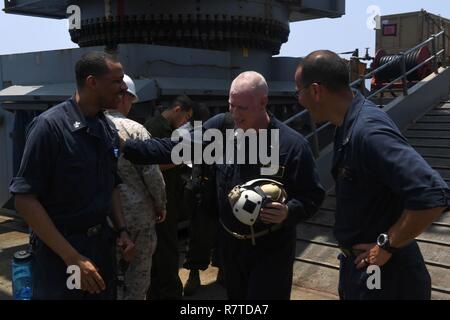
[386, 193]
[263, 270]
[66, 187]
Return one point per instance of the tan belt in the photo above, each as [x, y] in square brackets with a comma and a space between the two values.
[251, 236]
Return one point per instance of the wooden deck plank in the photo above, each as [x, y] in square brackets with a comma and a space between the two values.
[435, 142]
[440, 162]
[439, 112]
[445, 173]
[427, 133]
[314, 277]
[430, 126]
[433, 152]
[434, 119]
[328, 217]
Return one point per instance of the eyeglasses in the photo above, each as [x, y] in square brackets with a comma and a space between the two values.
[298, 93]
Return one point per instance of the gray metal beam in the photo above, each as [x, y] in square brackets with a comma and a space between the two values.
[300, 10]
[314, 9]
[37, 8]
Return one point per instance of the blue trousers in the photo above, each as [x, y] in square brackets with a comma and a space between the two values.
[49, 270]
[259, 272]
[403, 277]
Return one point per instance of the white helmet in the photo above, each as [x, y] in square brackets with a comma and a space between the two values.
[131, 87]
[248, 199]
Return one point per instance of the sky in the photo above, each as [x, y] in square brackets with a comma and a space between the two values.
[26, 34]
[350, 31]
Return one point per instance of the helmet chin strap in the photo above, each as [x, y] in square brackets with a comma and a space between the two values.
[264, 197]
[259, 191]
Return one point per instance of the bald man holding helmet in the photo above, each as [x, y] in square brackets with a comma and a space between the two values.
[258, 255]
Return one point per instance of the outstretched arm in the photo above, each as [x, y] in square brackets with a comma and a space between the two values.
[159, 151]
[152, 151]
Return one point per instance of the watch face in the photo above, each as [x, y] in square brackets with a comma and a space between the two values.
[382, 239]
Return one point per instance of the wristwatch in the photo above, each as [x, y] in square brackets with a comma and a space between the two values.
[384, 243]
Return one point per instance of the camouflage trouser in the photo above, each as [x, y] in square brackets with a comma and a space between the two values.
[135, 281]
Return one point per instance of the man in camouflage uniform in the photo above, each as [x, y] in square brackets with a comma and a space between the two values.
[144, 202]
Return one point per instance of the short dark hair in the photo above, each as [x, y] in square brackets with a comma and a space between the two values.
[327, 68]
[92, 64]
[184, 102]
[200, 112]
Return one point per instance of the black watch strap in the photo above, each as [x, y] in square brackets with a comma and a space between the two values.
[389, 249]
[385, 244]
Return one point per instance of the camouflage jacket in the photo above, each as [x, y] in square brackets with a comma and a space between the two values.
[143, 189]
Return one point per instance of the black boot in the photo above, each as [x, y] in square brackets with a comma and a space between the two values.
[192, 283]
[220, 277]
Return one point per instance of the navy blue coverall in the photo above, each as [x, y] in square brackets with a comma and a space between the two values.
[70, 164]
[264, 270]
[379, 175]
